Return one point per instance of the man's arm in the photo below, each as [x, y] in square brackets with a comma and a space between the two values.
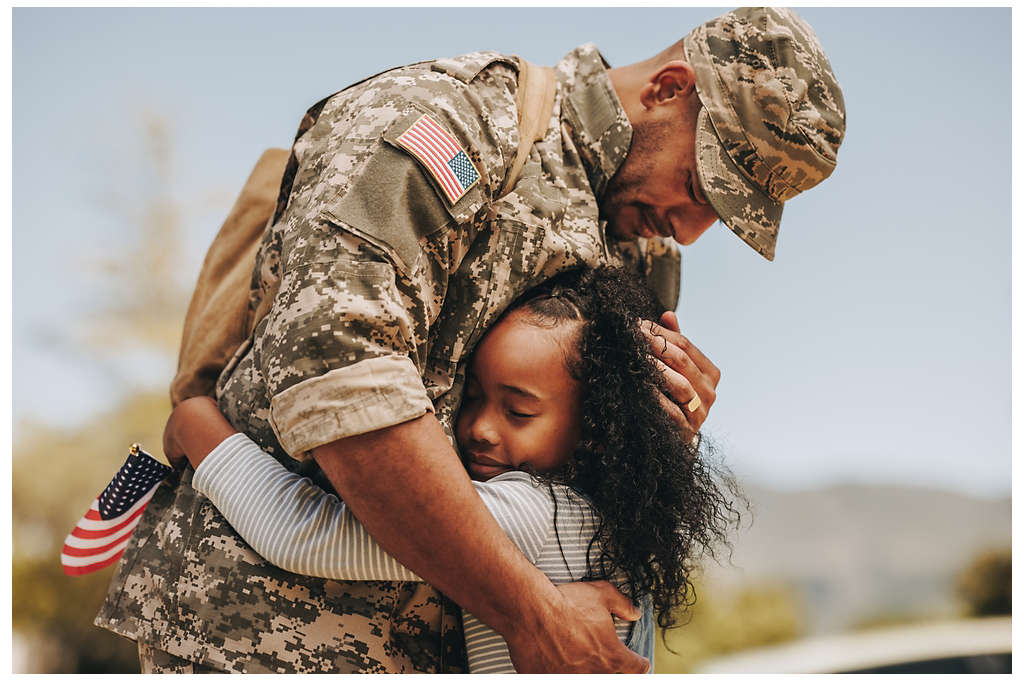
[407, 486]
[418, 501]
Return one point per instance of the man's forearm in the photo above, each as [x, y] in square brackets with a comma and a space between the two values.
[407, 486]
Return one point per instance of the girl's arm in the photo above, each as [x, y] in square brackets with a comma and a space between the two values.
[289, 520]
[294, 524]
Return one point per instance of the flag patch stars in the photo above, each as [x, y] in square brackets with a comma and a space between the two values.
[441, 155]
[463, 169]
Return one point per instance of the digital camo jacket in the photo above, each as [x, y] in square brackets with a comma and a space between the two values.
[384, 275]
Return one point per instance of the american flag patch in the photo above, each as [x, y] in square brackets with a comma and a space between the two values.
[100, 537]
[436, 149]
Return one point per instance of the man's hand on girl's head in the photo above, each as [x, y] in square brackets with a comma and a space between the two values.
[690, 378]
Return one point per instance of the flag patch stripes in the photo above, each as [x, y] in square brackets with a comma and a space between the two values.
[100, 537]
[442, 156]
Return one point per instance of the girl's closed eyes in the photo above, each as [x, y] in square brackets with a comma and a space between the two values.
[520, 408]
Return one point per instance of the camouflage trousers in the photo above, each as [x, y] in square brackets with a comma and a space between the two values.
[156, 662]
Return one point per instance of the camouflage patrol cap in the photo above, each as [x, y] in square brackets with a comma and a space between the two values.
[772, 116]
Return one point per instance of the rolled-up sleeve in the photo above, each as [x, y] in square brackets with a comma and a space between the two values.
[372, 394]
[341, 344]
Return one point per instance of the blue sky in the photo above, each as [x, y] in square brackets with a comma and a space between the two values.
[875, 348]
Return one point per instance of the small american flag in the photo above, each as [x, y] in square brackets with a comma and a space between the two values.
[443, 157]
[99, 539]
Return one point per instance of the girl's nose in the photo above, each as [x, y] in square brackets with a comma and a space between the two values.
[482, 430]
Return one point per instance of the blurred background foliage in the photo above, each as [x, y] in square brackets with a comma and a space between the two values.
[985, 587]
[727, 621]
[141, 310]
[146, 289]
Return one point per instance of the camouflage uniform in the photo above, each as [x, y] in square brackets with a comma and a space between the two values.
[153, 661]
[382, 287]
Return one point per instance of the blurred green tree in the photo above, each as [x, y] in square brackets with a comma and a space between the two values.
[726, 622]
[57, 471]
[888, 619]
[56, 474]
[986, 585]
[142, 287]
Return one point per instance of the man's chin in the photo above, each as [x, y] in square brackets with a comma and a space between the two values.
[618, 236]
[622, 230]
[626, 223]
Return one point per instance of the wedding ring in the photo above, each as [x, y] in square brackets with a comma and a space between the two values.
[693, 404]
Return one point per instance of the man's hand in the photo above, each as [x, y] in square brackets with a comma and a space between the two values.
[690, 378]
[406, 485]
[588, 645]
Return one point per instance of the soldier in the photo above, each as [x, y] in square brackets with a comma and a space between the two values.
[391, 250]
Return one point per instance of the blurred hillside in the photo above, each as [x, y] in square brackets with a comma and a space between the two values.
[842, 558]
[858, 553]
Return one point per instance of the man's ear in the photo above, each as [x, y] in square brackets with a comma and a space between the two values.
[672, 80]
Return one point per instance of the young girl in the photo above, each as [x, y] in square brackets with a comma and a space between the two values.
[562, 431]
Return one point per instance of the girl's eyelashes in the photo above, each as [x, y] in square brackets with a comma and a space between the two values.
[520, 415]
[473, 393]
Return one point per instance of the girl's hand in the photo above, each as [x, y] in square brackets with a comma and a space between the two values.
[193, 430]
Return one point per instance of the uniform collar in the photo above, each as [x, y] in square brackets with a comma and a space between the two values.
[595, 117]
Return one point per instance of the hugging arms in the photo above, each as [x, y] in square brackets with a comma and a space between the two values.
[563, 386]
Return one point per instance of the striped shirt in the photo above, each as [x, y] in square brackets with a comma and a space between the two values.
[292, 523]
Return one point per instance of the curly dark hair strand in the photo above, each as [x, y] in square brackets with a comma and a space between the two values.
[662, 503]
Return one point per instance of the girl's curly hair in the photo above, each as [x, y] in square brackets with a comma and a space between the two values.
[661, 502]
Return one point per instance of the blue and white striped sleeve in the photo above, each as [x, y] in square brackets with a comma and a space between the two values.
[296, 525]
[523, 510]
[289, 520]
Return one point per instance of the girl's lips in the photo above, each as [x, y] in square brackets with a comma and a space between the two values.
[485, 466]
[485, 460]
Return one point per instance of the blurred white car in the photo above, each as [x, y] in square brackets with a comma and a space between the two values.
[981, 645]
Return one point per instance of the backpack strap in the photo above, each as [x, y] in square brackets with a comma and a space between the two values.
[535, 100]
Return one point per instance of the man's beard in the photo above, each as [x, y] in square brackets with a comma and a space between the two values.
[615, 205]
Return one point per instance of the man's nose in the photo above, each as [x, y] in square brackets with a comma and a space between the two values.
[690, 223]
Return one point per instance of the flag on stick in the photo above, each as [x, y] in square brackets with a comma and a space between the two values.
[100, 537]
